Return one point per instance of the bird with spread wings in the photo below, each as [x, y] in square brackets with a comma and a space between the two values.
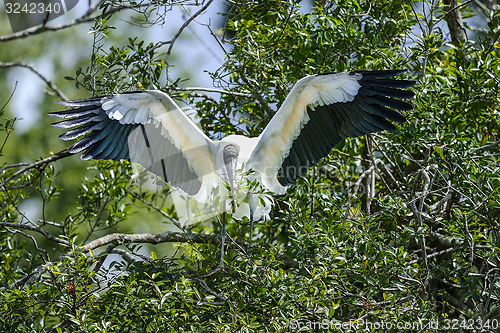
[149, 128]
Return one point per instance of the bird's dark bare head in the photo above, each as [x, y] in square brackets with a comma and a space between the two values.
[230, 153]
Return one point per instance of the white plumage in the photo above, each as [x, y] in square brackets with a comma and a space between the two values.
[149, 128]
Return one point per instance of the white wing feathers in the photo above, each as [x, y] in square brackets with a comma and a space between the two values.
[146, 127]
[149, 128]
[177, 128]
[277, 138]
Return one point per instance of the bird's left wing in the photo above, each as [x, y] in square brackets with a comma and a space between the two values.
[318, 112]
[146, 127]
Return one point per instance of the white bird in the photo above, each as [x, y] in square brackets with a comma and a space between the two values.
[149, 128]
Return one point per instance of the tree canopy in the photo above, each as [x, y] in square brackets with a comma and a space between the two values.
[391, 231]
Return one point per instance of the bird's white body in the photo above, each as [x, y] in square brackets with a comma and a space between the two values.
[165, 141]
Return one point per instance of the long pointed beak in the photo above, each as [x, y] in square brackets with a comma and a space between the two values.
[230, 155]
[231, 169]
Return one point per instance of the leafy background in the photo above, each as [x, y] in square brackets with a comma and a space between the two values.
[398, 227]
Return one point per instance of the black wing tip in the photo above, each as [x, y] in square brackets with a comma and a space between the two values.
[60, 114]
[379, 73]
[61, 124]
[411, 94]
[390, 127]
[76, 111]
[395, 116]
[384, 77]
[70, 136]
[85, 157]
[55, 115]
[75, 150]
[76, 106]
[399, 120]
[82, 118]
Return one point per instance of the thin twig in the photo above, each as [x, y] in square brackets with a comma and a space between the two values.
[217, 38]
[214, 90]
[486, 147]
[38, 73]
[39, 230]
[179, 32]
[57, 156]
[432, 255]
[165, 237]
[159, 210]
[87, 17]
[207, 288]
[35, 243]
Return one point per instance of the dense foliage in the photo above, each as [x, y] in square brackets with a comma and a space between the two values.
[391, 229]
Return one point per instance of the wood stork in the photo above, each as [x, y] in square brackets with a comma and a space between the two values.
[148, 127]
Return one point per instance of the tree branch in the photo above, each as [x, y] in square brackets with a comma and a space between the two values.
[486, 147]
[57, 156]
[117, 238]
[167, 236]
[38, 73]
[453, 18]
[181, 29]
[39, 230]
[220, 91]
[87, 17]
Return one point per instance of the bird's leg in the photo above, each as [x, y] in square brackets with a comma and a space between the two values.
[252, 204]
[250, 244]
[222, 241]
[230, 156]
[222, 252]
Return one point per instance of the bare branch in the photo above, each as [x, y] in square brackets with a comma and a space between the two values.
[127, 255]
[214, 90]
[35, 243]
[159, 210]
[217, 38]
[432, 255]
[418, 216]
[181, 29]
[87, 17]
[454, 20]
[8, 129]
[54, 224]
[57, 156]
[270, 112]
[443, 200]
[38, 73]
[165, 237]
[471, 260]
[365, 174]
[39, 230]
[207, 288]
[488, 146]
[386, 171]
[10, 97]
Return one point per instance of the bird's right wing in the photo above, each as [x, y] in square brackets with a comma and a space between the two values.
[318, 112]
[146, 127]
